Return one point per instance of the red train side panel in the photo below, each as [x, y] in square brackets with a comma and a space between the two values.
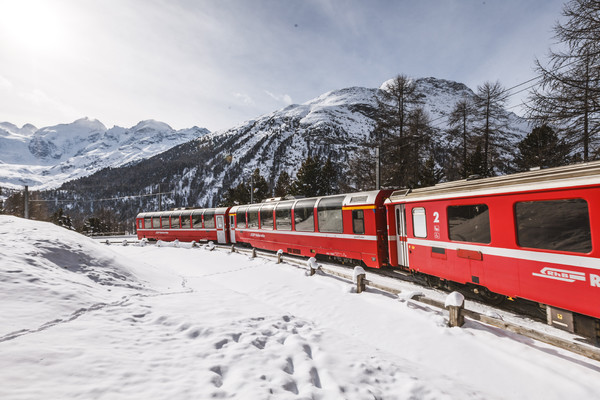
[533, 235]
[350, 226]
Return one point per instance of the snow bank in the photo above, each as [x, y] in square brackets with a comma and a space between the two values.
[163, 322]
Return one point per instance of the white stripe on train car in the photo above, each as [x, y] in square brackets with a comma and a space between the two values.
[551, 258]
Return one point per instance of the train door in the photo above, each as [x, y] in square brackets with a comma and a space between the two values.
[232, 228]
[221, 234]
[401, 239]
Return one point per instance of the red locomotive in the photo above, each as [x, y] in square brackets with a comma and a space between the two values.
[530, 235]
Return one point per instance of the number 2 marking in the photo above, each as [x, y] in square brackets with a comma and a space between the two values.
[436, 217]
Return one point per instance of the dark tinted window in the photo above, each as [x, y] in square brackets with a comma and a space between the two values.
[185, 221]
[241, 217]
[209, 219]
[197, 219]
[175, 221]
[329, 214]
[358, 221]
[469, 223]
[253, 217]
[304, 215]
[266, 216]
[164, 221]
[283, 216]
[554, 225]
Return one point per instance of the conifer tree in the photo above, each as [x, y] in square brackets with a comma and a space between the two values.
[329, 178]
[541, 148]
[460, 121]
[395, 101]
[568, 96]
[492, 126]
[283, 185]
[308, 178]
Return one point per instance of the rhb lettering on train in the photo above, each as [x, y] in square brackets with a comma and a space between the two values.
[561, 274]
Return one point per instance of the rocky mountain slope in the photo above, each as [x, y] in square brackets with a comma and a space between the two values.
[335, 125]
[47, 157]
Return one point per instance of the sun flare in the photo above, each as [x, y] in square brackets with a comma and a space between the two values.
[32, 25]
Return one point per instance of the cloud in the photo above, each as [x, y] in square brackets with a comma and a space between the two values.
[244, 98]
[283, 98]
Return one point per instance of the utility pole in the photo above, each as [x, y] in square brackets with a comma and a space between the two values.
[377, 166]
[251, 189]
[159, 198]
[26, 202]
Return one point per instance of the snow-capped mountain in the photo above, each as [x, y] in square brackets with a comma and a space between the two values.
[336, 124]
[47, 157]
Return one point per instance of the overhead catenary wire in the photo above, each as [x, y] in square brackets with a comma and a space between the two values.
[129, 197]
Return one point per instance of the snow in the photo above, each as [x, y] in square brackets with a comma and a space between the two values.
[455, 299]
[83, 320]
[47, 157]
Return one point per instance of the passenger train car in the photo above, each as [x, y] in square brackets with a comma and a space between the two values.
[533, 235]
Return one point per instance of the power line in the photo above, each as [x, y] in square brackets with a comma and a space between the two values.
[131, 197]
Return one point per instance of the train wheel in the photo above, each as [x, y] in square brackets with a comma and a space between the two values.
[490, 297]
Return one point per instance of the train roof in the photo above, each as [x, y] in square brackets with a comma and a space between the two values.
[583, 174]
[350, 199]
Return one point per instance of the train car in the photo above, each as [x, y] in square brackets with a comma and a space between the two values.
[341, 227]
[203, 224]
[532, 235]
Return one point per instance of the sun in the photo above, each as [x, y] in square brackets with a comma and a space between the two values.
[32, 25]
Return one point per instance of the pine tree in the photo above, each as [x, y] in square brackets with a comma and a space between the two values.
[283, 185]
[541, 148]
[261, 187]
[492, 125]
[236, 195]
[329, 179]
[395, 102]
[308, 178]
[568, 95]
[361, 171]
[460, 121]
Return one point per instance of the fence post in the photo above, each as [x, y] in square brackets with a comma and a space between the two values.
[279, 256]
[455, 303]
[233, 248]
[360, 278]
[312, 266]
[254, 252]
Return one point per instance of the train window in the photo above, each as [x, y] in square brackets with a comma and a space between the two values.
[283, 216]
[197, 219]
[562, 225]
[148, 223]
[253, 217]
[358, 221]
[185, 220]
[469, 223]
[209, 219]
[329, 214]
[164, 221]
[304, 215]
[266, 216]
[175, 221]
[419, 222]
[241, 217]
[156, 222]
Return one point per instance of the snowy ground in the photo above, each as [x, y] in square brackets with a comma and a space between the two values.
[80, 319]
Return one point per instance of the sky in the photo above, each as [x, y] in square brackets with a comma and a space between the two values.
[218, 63]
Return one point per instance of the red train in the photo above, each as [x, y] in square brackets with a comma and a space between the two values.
[533, 235]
